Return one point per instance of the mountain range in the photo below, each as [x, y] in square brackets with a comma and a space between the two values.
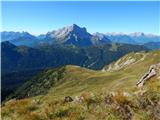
[68, 45]
[133, 38]
[75, 35]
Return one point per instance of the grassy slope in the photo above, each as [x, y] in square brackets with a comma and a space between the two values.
[79, 79]
[76, 81]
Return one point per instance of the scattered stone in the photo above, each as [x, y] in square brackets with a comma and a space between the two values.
[68, 99]
[79, 99]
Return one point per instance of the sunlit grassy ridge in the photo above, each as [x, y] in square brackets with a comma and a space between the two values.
[107, 94]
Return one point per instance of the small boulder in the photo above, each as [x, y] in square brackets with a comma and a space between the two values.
[68, 99]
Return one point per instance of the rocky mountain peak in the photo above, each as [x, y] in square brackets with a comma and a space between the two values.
[76, 27]
[72, 29]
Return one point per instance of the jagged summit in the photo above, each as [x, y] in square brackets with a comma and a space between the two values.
[72, 29]
[67, 29]
[72, 34]
[76, 27]
[77, 36]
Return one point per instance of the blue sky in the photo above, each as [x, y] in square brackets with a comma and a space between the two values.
[41, 17]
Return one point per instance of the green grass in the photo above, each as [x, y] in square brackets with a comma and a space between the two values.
[77, 81]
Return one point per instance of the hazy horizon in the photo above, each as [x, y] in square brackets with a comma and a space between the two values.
[113, 32]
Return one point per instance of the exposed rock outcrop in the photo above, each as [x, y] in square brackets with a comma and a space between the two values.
[120, 64]
[125, 61]
[154, 70]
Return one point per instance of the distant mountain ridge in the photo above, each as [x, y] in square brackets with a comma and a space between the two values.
[19, 38]
[133, 38]
[78, 36]
[72, 35]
